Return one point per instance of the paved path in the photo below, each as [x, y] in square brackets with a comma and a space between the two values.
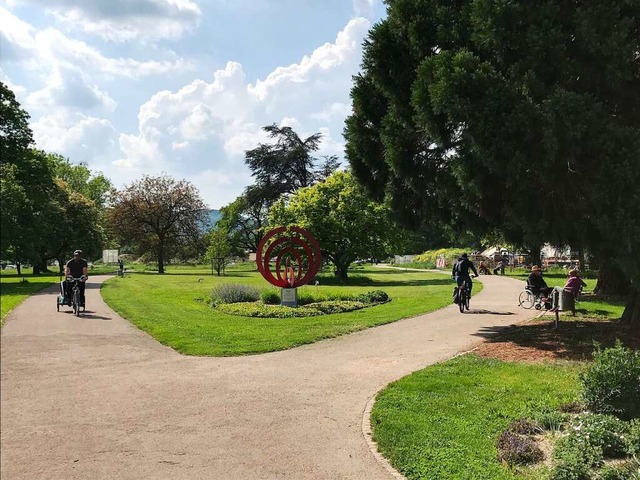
[95, 398]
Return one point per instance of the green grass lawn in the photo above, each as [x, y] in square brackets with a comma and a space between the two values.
[442, 422]
[174, 309]
[14, 288]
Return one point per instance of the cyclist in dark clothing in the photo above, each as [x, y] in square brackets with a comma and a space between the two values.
[77, 268]
[460, 272]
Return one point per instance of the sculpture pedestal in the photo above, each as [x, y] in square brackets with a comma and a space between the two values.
[289, 297]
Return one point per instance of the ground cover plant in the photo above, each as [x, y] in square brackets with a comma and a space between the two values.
[443, 421]
[175, 308]
[243, 300]
[446, 405]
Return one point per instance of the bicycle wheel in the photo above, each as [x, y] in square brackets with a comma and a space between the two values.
[526, 299]
[76, 303]
[462, 299]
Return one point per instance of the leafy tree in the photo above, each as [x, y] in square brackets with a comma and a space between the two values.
[245, 219]
[26, 178]
[219, 251]
[158, 214]
[279, 168]
[16, 137]
[522, 116]
[284, 166]
[339, 215]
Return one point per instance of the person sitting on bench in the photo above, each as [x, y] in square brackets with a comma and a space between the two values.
[574, 283]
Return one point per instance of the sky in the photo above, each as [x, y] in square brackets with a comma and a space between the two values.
[181, 87]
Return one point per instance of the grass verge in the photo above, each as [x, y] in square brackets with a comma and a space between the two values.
[443, 421]
[14, 288]
[173, 308]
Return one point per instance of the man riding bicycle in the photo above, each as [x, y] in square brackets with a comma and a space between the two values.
[460, 273]
[77, 268]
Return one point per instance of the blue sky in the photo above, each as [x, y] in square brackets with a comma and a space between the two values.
[134, 87]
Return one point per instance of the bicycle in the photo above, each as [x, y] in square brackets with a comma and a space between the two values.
[75, 301]
[464, 296]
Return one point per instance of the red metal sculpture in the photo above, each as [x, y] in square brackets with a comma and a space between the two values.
[294, 245]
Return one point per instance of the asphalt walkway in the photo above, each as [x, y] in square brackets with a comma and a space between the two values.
[93, 397]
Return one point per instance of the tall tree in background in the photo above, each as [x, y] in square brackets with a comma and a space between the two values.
[523, 116]
[158, 214]
[279, 168]
[284, 166]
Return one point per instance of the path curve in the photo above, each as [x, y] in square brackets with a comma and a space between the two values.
[95, 398]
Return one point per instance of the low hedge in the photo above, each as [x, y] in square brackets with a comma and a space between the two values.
[260, 310]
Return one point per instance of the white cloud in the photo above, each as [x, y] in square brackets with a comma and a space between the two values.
[214, 123]
[17, 89]
[335, 110]
[68, 88]
[79, 137]
[17, 42]
[198, 129]
[325, 58]
[364, 8]
[125, 20]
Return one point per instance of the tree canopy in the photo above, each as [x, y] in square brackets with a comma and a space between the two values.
[279, 168]
[522, 116]
[50, 207]
[159, 215]
[346, 223]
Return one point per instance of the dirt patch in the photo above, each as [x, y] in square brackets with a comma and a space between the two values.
[538, 340]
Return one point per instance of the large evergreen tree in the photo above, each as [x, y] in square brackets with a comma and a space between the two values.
[519, 115]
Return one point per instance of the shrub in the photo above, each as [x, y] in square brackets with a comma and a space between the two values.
[603, 431]
[253, 309]
[373, 296]
[234, 293]
[339, 306]
[623, 471]
[270, 297]
[514, 448]
[591, 455]
[572, 461]
[612, 383]
[633, 438]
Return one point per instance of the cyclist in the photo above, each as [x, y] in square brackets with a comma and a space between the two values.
[460, 273]
[77, 267]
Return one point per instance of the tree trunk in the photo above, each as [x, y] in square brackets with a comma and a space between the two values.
[582, 258]
[19, 268]
[611, 281]
[160, 259]
[631, 314]
[340, 270]
[36, 268]
[535, 255]
[61, 265]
